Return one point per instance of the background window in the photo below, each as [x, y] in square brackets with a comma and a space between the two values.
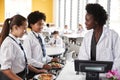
[13, 7]
[75, 13]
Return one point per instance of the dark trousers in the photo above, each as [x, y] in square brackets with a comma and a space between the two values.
[4, 77]
[30, 75]
[21, 74]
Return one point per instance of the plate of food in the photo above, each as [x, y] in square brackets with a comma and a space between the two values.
[55, 65]
[45, 76]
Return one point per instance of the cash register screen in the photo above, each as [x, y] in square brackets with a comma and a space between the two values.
[92, 66]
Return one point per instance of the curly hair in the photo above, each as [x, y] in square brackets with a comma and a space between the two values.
[98, 12]
[34, 17]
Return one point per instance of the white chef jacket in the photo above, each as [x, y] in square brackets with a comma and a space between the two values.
[107, 48]
[59, 41]
[34, 51]
[11, 55]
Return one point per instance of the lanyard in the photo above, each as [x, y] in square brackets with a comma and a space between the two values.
[54, 41]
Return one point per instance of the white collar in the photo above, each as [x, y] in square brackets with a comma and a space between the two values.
[16, 39]
[36, 34]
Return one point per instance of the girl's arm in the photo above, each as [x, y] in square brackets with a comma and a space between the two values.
[36, 70]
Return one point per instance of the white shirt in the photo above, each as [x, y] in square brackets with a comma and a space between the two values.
[107, 48]
[79, 30]
[59, 41]
[67, 31]
[11, 55]
[34, 51]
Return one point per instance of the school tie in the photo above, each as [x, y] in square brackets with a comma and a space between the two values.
[26, 62]
[55, 42]
[42, 45]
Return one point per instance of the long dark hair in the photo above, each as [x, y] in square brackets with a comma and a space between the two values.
[9, 22]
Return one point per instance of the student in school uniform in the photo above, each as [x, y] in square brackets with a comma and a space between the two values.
[79, 29]
[34, 42]
[56, 40]
[66, 30]
[14, 65]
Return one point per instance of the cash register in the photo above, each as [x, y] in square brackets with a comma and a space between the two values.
[92, 68]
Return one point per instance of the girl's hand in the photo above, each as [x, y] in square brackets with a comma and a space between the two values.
[46, 66]
[55, 60]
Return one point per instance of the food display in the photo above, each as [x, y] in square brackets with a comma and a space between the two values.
[45, 77]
